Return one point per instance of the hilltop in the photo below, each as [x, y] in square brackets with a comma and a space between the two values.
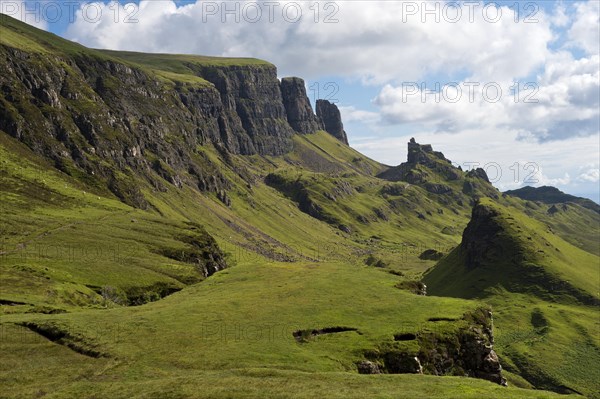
[552, 195]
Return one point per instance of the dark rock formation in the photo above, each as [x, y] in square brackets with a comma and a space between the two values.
[478, 173]
[479, 237]
[465, 351]
[253, 108]
[552, 210]
[421, 153]
[300, 114]
[437, 188]
[201, 250]
[93, 115]
[402, 363]
[431, 254]
[330, 117]
[367, 367]
[416, 287]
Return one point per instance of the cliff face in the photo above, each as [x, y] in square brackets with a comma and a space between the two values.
[330, 117]
[111, 120]
[300, 115]
[253, 109]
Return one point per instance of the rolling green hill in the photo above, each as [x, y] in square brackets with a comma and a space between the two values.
[545, 292]
[168, 231]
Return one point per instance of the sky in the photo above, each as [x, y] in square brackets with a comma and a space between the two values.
[510, 86]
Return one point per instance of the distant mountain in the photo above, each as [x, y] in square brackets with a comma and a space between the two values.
[551, 195]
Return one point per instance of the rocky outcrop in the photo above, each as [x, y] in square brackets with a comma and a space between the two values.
[300, 114]
[466, 349]
[254, 113]
[478, 173]
[422, 153]
[431, 254]
[479, 238]
[367, 367]
[330, 117]
[201, 250]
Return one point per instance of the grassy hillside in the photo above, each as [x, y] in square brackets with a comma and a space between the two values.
[237, 326]
[543, 289]
[112, 285]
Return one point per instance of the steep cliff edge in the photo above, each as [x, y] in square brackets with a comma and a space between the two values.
[110, 117]
[300, 115]
[330, 118]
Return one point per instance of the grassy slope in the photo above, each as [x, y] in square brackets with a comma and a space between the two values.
[235, 327]
[549, 338]
[61, 240]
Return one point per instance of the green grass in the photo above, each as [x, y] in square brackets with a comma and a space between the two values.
[239, 324]
[534, 281]
[180, 63]
[73, 257]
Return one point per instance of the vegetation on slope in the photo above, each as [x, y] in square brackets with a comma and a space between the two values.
[104, 287]
[544, 292]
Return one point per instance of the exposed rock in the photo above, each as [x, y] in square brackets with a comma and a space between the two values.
[437, 188]
[478, 173]
[118, 121]
[468, 187]
[479, 236]
[201, 250]
[416, 287]
[300, 115]
[402, 363]
[552, 210]
[431, 254]
[422, 154]
[367, 367]
[345, 229]
[330, 117]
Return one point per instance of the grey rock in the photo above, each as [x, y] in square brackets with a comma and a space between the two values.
[367, 367]
[331, 120]
[299, 112]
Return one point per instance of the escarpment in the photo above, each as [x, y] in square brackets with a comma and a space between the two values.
[113, 120]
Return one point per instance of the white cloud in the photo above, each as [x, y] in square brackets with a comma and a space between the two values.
[585, 30]
[591, 175]
[351, 114]
[376, 41]
[563, 102]
[560, 18]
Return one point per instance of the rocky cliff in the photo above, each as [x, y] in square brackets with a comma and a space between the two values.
[300, 115]
[331, 120]
[111, 117]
